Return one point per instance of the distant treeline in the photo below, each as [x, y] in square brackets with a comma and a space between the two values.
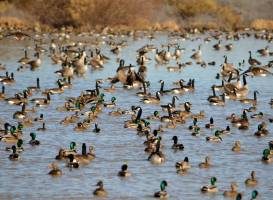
[138, 14]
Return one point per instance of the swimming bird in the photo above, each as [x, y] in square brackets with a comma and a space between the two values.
[233, 192]
[55, 170]
[124, 171]
[162, 193]
[33, 140]
[100, 191]
[252, 181]
[210, 188]
[237, 146]
[175, 145]
[205, 164]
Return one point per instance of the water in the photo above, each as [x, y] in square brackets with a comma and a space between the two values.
[28, 179]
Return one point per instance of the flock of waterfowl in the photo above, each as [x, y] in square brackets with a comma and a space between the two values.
[74, 58]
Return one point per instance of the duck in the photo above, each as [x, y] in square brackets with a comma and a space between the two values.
[258, 116]
[210, 125]
[257, 71]
[55, 170]
[82, 126]
[215, 138]
[112, 104]
[39, 119]
[175, 145]
[199, 115]
[152, 99]
[58, 90]
[191, 127]
[162, 194]
[197, 55]
[43, 128]
[205, 164]
[100, 191]
[262, 131]
[2, 94]
[229, 47]
[162, 91]
[124, 171]
[72, 162]
[33, 140]
[253, 61]
[179, 90]
[14, 156]
[155, 116]
[217, 46]
[252, 181]
[19, 147]
[111, 89]
[35, 88]
[166, 107]
[251, 101]
[254, 194]
[183, 165]
[233, 192]
[266, 156]
[237, 146]
[210, 188]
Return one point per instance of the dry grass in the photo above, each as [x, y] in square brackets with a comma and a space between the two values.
[262, 24]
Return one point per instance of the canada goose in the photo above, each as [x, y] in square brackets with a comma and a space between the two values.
[157, 157]
[159, 57]
[96, 129]
[211, 124]
[17, 35]
[252, 181]
[205, 164]
[169, 117]
[218, 102]
[100, 191]
[257, 71]
[236, 147]
[8, 80]
[175, 68]
[2, 94]
[35, 88]
[253, 61]
[66, 84]
[42, 101]
[264, 51]
[24, 60]
[219, 87]
[233, 192]
[20, 114]
[34, 64]
[80, 64]
[144, 93]
[111, 89]
[55, 170]
[179, 90]
[166, 107]
[213, 97]
[58, 90]
[175, 145]
[152, 99]
[5, 76]
[242, 91]
[162, 194]
[43, 128]
[251, 101]
[17, 100]
[229, 47]
[124, 171]
[197, 55]
[14, 156]
[210, 188]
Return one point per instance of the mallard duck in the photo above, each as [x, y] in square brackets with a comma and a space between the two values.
[252, 181]
[205, 164]
[19, 147]
[112, 104]
[194, 124]
[254, 194]
[155, 116]
[72, 162]
[210, 188]
[82, 126]
[262, 131]
[175, 145]
[266, 156]
[14, 156]
[237, 146]
[162, 193]
[195, 131]
[33, 140]
[124, 171]
[55, 170]
[215, 138]
[259, 115]
[183, 165]
[100, 191]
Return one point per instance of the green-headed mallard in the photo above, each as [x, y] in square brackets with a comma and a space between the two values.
[162, 193]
